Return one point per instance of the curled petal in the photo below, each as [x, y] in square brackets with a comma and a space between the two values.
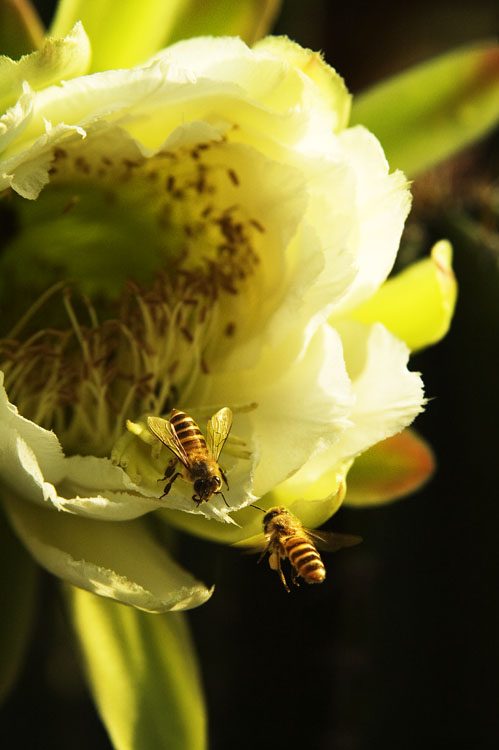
[334, 96]
[33, 464]
[121, 561]
[17, 117]
[58, 59]
[383, 202]
[303, 396]
[388, 395]
[372, 356]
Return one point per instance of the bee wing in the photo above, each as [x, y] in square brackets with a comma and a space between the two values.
[163, 430]
[332, 541]
[217, 431]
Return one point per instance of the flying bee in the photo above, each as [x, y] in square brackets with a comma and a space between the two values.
[285, 536]
[198, 457]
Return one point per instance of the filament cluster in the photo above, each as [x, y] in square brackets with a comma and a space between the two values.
[85, 377]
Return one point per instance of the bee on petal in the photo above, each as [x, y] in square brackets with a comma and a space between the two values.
[285, 536]
[198, 457]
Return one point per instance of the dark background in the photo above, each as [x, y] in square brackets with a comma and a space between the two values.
[398, 649]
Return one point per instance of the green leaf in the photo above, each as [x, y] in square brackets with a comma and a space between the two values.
[17, 594]
[248, 19]
[21, 30]
[417, 305]
[393, 468]
[429, 112]
[124, 33]
[142, 672]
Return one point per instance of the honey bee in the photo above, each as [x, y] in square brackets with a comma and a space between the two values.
[285, 536]
[199, 457]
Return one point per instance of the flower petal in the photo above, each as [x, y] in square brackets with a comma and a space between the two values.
[117, 560]
[33, 464]
[388, 395]
[159, 97]
[303, 397]
[17, 117]
[417, 305]
[392, 469]
[122, 36]
[302, 393]
[300, 374]
[297, 397]
[142, 672]
[387, 398]
[58, 59]
[334, 96]
[28, 173]
[383, 202]
[43, 443]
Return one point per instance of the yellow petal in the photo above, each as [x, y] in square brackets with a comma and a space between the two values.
[330, 84]
[417, 305]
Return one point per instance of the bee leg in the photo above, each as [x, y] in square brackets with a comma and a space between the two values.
[281, 575]
[169, 485]
[169, 470]
[275, 564]
[294, 577]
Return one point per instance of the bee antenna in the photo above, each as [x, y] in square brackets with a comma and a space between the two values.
[225, 501]
[257, 508]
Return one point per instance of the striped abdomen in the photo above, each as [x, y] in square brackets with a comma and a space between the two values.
[304, 557]
[189, 435]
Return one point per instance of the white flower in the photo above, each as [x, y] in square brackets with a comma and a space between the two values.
[225, 181]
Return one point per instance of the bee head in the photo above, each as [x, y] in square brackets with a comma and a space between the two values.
[206, 487]
[271, 515]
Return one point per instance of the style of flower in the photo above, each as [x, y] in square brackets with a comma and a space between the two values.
[216, 224]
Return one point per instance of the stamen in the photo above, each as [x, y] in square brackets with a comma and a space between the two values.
[76, 327]
[85, 381]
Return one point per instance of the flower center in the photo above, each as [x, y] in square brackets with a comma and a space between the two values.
[84, 378]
